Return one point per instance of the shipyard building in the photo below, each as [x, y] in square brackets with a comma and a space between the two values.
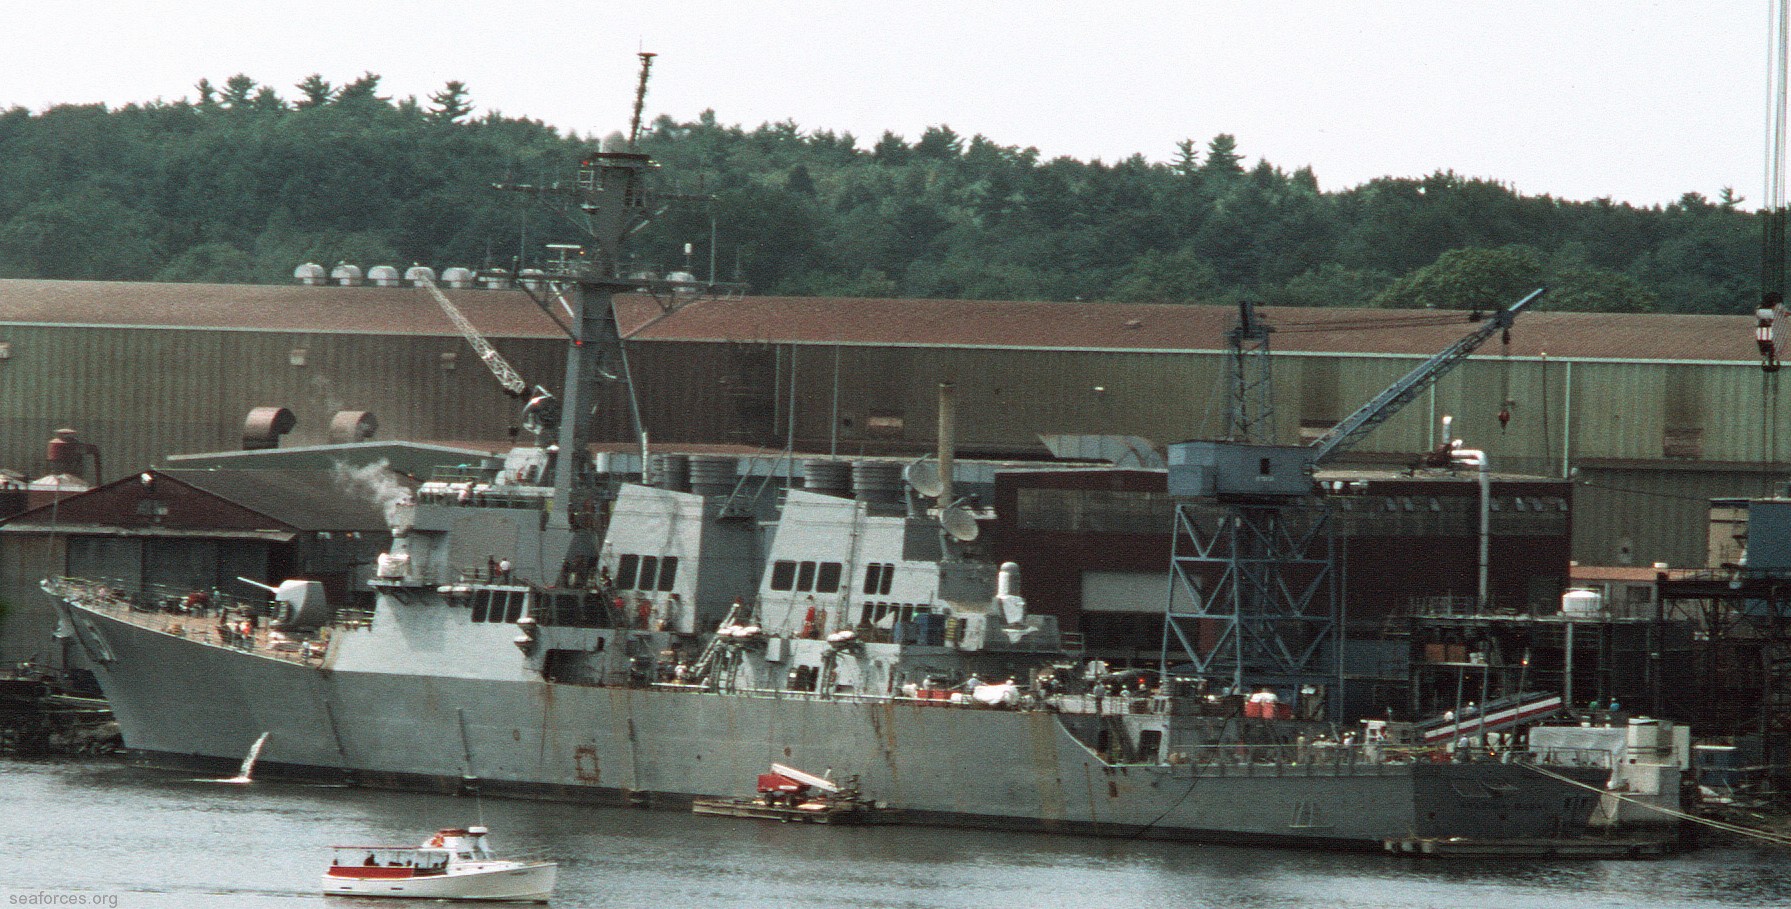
[1633, 422]
[1650, 415]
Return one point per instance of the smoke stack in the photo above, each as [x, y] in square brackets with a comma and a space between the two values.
[68, 455]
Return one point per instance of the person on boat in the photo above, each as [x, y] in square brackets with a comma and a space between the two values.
[503, 570]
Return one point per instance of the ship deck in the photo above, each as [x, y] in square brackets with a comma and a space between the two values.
[211, 625]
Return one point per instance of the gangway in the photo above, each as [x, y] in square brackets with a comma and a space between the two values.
[1495, 715]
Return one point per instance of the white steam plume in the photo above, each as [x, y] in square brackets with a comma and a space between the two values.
[376, 481]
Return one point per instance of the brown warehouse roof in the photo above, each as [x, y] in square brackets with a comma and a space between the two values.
[967, 323]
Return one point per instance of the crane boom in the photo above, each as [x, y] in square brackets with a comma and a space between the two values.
[506, 375]
[1383, 406]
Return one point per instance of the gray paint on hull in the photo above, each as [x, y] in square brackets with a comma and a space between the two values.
[962, 766]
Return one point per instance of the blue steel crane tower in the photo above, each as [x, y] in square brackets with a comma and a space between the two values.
[1255, 594]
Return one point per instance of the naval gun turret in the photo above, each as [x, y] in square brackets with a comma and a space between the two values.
[298, 605]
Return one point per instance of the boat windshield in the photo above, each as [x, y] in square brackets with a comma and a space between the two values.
[389, 857]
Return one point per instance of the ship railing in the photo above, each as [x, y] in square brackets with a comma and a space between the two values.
[1325, 758]
[463, 473]
[1300, 759]
[151, 598]
[775, 694]
[1071, 704]
[1138, 704]
[844, 697]
[483, 497]
[1564, 757]
[179, 612]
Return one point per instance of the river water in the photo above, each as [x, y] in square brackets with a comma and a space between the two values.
[100, 833]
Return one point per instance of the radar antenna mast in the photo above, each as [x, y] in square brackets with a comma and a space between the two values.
[640, 99]
[610, 200]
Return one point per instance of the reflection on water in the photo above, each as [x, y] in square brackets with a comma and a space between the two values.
[158, 840]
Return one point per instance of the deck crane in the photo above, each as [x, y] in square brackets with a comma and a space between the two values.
[541, 414]
[1382, 407]
[1216, 469]
[1253, 590]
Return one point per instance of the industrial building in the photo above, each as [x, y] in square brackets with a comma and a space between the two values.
[1652, 415]
[1642, 418]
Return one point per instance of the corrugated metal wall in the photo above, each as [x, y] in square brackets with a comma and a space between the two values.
[141, 394]
[1679, 433]
[1641, 516]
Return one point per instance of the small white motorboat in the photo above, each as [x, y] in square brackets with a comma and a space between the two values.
[454, 864]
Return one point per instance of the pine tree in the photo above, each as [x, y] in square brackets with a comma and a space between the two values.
[238, 90]
[1187, 158]
[315, 90]
[1222, 156]
[450, 104]
[362, 90]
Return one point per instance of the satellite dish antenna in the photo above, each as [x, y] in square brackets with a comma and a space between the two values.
[923, 475]
[959, 522]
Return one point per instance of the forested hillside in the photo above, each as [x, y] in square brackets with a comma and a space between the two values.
[240, 184]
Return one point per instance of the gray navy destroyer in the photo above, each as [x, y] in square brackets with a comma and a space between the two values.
[545, 629]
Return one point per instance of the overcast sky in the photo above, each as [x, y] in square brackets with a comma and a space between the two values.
[1637, 101]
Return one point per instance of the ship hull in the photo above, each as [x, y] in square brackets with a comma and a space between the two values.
[184, 702]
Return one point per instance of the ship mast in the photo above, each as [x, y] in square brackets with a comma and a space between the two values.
[611, 195]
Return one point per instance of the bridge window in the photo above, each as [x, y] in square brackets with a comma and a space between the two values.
[481, 604]
[828, 581]
[668, 572]
[878, 577]
[805, 576]
[783, 576]
[649, 572]
[626, 571]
